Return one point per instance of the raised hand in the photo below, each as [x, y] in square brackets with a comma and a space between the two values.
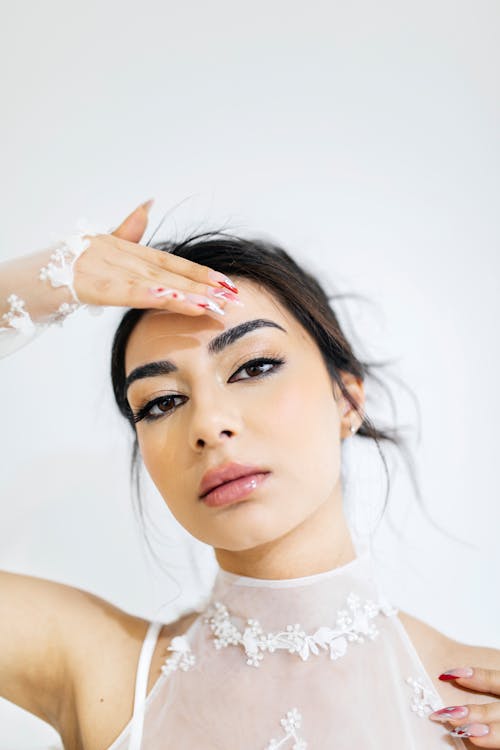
[480, 724]
[115, 270]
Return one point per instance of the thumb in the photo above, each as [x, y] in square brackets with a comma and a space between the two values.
[134, 226]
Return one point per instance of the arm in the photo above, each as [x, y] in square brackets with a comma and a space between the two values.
[21, 276]
[100, 270]
[48, 630]
[37, 290]
[29, 304]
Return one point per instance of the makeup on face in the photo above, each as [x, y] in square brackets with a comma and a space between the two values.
[215, 346]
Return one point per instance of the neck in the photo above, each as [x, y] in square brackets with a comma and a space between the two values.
[321, 542]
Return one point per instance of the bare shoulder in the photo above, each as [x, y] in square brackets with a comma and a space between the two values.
[70, 657]
[439, 653]
[104, 676]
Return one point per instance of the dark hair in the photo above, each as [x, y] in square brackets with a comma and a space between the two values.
[270, 266]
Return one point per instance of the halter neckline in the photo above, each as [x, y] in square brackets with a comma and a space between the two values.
[242, 580]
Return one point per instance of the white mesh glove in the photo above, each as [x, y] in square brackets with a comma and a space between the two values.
[20, 326]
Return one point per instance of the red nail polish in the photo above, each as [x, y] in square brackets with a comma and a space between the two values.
[231, 287]
[452, 674]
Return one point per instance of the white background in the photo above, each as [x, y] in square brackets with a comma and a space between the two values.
[364, 138]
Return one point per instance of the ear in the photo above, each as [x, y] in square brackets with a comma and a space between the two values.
[348, 415]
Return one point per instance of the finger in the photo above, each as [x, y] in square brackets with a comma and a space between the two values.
[472, 712]
[479, 735]
[108, 274]
[183, 267]
[134, 226]
[478, 679]
[159, 279]
[214, 300]
[153, 264]
[133, 291]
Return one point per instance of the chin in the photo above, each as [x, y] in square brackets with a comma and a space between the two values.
[255, 531]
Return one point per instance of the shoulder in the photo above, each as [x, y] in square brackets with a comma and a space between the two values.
[104, 666]
[439, 653]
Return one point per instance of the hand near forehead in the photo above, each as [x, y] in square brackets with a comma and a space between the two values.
[112, 270]
[116, 270]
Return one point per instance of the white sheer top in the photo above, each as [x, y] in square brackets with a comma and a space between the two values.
[307, 663]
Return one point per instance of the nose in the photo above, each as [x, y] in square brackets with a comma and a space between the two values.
[214, 420]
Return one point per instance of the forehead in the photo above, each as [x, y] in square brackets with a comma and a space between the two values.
[160, 332]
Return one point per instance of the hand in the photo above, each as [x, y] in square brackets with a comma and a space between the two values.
[114, 270]
[479, 723]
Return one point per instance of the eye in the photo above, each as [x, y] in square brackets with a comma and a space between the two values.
[255, 364]
[163, 405]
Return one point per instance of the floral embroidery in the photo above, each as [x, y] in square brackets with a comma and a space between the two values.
[183, 658]
[17, 317]
[423, 701]
[353, 625]
[290, 723]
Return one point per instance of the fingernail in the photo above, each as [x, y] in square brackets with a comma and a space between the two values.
[223, 294]
[452, 674]
[471, 730]
[450, 712]
[147, 205]
[208, 304]
[160, 291]
[213, 306]
[223, 280]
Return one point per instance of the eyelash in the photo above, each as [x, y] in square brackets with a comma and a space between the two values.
[144, 412]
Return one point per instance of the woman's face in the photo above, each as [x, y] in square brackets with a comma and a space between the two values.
[282, 418]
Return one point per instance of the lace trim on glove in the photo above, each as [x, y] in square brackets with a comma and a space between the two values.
[17, 317]
[60, 272]
[20, 319]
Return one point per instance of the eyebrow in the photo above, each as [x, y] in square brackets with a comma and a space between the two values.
[215, 346]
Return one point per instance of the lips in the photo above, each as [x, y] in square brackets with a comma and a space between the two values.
[226, 473]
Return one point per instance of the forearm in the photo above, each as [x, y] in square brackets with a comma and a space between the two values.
[21, 277]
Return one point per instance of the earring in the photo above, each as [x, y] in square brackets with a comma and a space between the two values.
[352, 428]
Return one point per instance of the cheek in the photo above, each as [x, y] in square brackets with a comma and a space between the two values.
[159, 457]
[305, 421]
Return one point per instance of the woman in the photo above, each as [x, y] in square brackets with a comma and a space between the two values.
[239, 398]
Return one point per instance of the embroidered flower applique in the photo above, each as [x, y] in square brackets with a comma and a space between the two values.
[182, 658]
[290, 723]
[353, 625]
[17, 317]
[423, 700]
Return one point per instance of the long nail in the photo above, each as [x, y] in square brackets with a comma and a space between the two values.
[470, 730]
[452, 674]
[223, 280]
[211, 306]
[208, 304]
[450, 712]
[225, 295]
